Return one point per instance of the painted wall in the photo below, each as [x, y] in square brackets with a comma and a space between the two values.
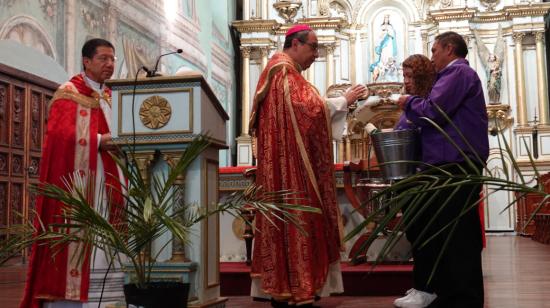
[146, 28]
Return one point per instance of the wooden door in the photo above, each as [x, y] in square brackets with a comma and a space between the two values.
[23, 104]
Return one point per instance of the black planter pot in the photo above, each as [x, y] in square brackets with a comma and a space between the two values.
[159, 294]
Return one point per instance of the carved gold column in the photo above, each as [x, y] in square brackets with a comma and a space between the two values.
[341, 150]
[330, 64]
[244, 141]
[264, 52]
[352, 59]
[541, 79]
[143, 163]
[347, 145]
[520, 79]
[178, 247]
[246, 9]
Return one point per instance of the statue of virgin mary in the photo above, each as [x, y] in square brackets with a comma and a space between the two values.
[386, 53]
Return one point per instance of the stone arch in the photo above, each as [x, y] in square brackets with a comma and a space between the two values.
[346, 7]
[27, 31]
[369, 8]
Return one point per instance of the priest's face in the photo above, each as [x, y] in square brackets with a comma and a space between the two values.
[308, 51]
[102, 65]
[442, 55]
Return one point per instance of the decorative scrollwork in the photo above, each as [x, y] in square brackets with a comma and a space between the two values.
[287, 9]
[490, 4]
[499, 118]
[155, 112]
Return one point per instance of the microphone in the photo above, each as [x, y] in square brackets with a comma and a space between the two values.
[153, 73]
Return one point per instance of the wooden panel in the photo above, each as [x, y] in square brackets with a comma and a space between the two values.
[36, 120]
[18, 118]
[16, 203]
[528, 204]
[23, 105]
[3, 204]
[4, 163]
[4, 112]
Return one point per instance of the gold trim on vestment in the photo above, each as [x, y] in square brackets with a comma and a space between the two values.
[83, 100]
[298, 135]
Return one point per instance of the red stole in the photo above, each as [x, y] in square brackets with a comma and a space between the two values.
[71, 144]
[291, 123]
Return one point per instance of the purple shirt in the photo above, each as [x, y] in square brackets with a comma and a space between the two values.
[458, 92]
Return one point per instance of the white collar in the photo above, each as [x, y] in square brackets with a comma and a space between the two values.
[93, 84]
[452, 62]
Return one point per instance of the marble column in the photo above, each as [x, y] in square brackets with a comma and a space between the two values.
[245, 112]
[246, 9]
[542, 86]
[330, 64]
[264, 52]
[425, 47]
[70, 36]
[352, 59]
[520, 79]
[265, 9]
[310, 74]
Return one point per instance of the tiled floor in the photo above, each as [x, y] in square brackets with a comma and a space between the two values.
[516, 271]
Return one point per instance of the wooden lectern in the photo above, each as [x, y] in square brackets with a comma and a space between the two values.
[157, 118]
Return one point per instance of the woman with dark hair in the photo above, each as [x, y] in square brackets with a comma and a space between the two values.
[418, 78]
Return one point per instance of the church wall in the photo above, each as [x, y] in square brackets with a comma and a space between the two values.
[201, 28]
[422, 21]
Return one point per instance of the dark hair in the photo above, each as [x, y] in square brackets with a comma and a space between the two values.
[423, 73]
[300, 35]
[455, 39]
[90, 47]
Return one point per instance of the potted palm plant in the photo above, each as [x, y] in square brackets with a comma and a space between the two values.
[417, 193]
[150, 212]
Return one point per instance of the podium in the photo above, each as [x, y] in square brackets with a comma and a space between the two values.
[156, 118]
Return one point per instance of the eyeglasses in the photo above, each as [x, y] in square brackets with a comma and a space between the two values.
[104, 59]
[313, 46]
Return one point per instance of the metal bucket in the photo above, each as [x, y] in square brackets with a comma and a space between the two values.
[397, 146]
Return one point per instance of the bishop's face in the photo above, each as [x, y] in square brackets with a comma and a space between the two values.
[307, 51]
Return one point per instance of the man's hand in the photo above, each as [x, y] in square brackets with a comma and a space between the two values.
[355, 92]
[402, 101]
[106, 145]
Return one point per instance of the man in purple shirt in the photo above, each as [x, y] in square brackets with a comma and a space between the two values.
[458, 280]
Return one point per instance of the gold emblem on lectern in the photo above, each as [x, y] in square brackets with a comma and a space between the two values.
[155, 112]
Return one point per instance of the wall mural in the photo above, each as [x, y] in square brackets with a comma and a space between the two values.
[94, 20]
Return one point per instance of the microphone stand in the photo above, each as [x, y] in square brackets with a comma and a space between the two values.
[153, 73]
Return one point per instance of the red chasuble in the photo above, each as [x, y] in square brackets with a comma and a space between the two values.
[294, 145]
[75, 120]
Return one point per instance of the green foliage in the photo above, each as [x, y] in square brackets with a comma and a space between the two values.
[152, 208]
[416, 194]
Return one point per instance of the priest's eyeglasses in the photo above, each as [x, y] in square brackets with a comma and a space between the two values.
[313, 46]
[104, 59]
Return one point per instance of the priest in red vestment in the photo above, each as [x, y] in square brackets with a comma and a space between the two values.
[77, 131]
[292, 124]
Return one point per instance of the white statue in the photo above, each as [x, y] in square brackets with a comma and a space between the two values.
[492, 62]
[385, 50]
